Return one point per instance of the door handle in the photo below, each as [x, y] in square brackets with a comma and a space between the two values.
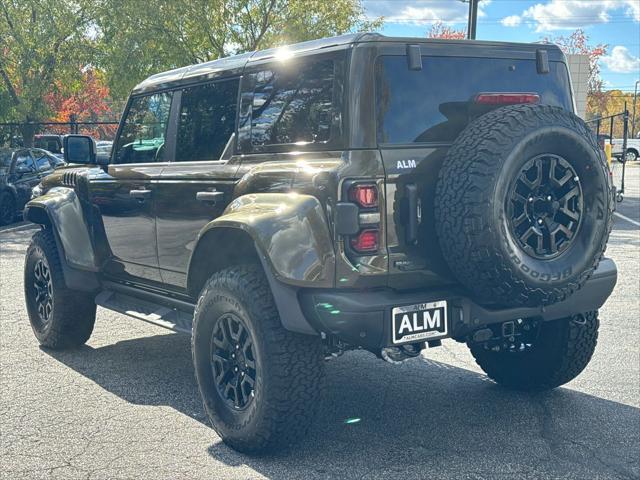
[140, 194]
[209, 197]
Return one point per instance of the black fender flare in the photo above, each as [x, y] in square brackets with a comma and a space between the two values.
[290, 231]
[60, 207]
[293, 242]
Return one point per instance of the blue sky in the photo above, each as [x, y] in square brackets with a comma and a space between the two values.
[612, 22]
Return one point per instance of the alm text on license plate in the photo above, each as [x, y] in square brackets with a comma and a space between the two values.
[423, 321]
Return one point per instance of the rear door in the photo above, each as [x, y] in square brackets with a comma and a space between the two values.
[125, 194]
[419, 114]
[196, 187]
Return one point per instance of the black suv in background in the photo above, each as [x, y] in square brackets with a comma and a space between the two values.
[287, 205]
[20, 171]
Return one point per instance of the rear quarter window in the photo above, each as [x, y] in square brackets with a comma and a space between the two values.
[290, 105]
[434, 104]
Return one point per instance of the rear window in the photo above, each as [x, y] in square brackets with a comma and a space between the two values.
[434, 104]
[47, 143]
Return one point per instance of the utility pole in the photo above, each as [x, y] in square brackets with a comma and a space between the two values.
[473, 19]
[633, 118]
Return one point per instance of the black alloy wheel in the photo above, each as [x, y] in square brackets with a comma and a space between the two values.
[43, 290]
[545, 206]
[233, 361]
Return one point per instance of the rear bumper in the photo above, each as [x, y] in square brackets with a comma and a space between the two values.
[363, 318]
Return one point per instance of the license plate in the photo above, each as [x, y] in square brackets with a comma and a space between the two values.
[424, 321]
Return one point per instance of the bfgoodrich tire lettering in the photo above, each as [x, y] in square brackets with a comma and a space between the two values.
[474, 219]
[286, 367]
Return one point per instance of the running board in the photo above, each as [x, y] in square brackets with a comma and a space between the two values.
[160, 315]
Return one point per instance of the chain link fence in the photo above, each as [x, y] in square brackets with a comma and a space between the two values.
[13, 134]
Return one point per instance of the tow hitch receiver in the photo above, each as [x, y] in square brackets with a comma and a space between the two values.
[513, 335]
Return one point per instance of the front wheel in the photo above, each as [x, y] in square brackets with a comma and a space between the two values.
[60, 318]
[259, 382]
[559, 352]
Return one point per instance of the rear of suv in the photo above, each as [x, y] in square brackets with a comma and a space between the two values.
[368, 192]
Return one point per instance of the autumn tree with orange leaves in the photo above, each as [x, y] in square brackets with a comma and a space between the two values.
[87, 101]
[440, 30]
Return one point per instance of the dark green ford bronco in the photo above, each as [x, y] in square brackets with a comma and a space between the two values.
[358, 192]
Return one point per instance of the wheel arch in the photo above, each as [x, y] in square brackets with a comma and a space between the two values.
[287, 235]
[53, 210]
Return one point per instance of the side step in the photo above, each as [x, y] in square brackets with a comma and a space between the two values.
[157, 314]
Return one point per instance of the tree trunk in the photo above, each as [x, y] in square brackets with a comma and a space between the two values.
[28, 131]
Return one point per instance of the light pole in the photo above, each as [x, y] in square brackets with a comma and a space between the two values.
[633, 118]
[473, 18]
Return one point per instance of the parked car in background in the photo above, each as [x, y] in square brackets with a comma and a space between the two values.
[103, 149]
[20, 171]
[51, 143]
[633, 147]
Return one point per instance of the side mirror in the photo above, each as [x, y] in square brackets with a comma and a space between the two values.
[81, 149]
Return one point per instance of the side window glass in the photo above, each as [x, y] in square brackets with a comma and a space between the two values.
[293, 105]
[143, 133]
[24, 163]
[42, 161]
[207, 121]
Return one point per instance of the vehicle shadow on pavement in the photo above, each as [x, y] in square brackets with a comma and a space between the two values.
[419, 419]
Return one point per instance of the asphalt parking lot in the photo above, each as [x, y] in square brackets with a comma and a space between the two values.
[126, 405]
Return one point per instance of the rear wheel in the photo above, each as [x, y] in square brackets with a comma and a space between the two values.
[631, 156]
[7, 208]
[60, 318]
[259, 382]
[560, 350]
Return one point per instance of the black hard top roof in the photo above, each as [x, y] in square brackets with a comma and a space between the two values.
[237, 63]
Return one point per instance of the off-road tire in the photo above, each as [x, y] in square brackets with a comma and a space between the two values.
[289, 372]
[561, 351]
[471, 205]
[7, 208]
[72, 314]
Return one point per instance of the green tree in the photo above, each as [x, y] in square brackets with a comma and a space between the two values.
[142, 37]
[42, 42]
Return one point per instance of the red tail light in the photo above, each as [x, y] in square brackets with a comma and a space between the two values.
[365, 241]
[365, 196]
[506, 98]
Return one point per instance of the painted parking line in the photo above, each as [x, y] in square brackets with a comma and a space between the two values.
[630, 220]
[19, 228]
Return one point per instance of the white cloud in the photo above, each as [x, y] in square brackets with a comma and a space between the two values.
[571, 14]
[621, 61]
[421, 13]
[511, 21]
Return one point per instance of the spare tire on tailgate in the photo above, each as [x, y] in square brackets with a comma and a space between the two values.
[524, 206]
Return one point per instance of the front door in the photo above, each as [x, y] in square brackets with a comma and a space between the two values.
[125, 194]
[197, 186]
